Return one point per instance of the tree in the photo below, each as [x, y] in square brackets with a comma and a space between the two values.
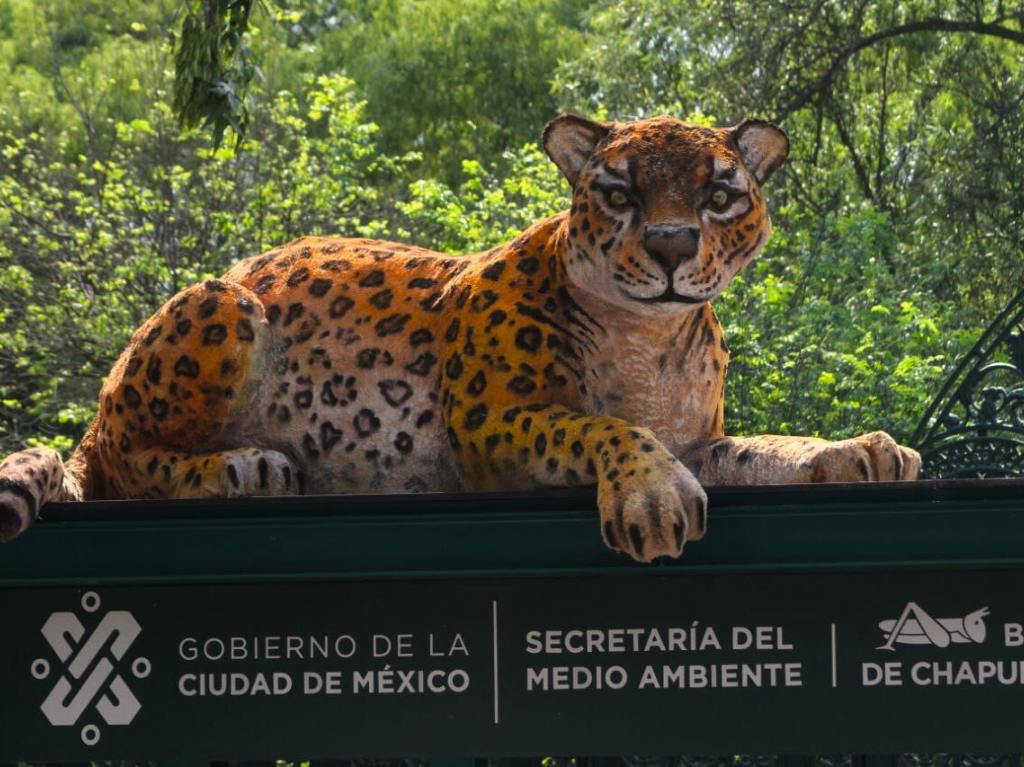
[214, 67]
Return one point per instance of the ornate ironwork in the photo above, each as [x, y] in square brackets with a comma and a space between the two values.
[975, 425]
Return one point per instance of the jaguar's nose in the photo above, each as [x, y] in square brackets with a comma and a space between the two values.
[671, 244]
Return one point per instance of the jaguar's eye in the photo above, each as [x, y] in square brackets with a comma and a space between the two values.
[618, 198]
[719, 198]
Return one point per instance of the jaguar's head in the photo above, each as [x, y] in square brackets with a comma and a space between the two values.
[664, 214]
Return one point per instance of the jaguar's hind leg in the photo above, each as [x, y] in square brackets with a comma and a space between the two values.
[173, 412]
[226, 473]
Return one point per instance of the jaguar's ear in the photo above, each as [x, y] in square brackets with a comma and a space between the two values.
[762, 146]
[569, 140]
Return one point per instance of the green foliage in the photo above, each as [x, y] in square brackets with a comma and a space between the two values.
[490, 206]
[897, 219]
[88, 250]
[455, 79]
[213, 67]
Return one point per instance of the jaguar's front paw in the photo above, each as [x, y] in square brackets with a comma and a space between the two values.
[650, 504]
[874, 457]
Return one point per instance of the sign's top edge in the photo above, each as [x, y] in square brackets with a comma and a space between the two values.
[548, 500]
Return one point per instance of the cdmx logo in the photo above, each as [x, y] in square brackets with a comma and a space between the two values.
[89, 677]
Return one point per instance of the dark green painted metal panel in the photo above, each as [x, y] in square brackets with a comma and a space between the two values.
[830, 568]
[965, 523]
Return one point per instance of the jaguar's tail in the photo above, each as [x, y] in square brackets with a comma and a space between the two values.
[29, 479]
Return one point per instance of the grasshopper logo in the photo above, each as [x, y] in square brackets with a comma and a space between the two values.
[89, 678]
[915, 626]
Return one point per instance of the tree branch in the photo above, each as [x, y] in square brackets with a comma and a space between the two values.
[914, 27]
[858, 165]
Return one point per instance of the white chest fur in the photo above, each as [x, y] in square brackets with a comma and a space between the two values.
[665, 374]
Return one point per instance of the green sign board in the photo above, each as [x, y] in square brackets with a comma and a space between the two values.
[586, 656]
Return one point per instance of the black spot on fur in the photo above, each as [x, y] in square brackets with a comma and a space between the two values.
[186, 366]
[477, 383]
[540, 444]
[303, 399]
[395, 392]
[131, 397]
[529, 338]
[309, 446]
[432, 303]
[153, 369]
[476, 416]
[214, 335]
[208, 307]
[422, 282]
[319, 287]
[494, 271]
[243, 330]
[158, 408]
[528, 265]
[329, 436]
[424, 418]
[183, 327]
[366, 422]
[339, 306]
[522, 385]
[367, 358]
[553, 377]
[295, 311]
[403, 443]
[422, 365]
[393, 324]
[496, 318]
[453, 368]
[263, 285]
[453, 330]
[483, 301]
[372, 279]
[382, 299]
[298, 277]
[421, 336]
